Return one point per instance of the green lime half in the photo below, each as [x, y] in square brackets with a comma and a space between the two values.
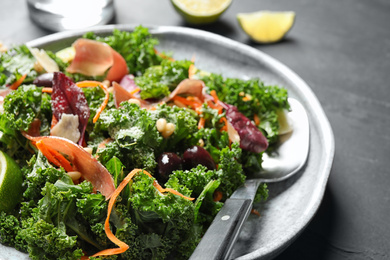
[10, 183]
[201, 11]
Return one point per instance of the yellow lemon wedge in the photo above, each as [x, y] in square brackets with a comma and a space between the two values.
[11, 179]
[201, 11]
[266, 26]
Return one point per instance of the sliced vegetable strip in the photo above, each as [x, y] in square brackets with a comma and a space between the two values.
[123, 246]
[80, 159]
[91, 83]
[17, 83]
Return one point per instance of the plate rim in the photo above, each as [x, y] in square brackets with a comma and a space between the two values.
[302, 88]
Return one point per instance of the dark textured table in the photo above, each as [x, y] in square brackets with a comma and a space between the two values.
[342, 50]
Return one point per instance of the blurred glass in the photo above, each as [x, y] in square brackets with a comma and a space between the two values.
[60, 15]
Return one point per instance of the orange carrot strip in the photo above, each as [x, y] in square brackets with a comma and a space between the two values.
[186, 101]
[163, 55]
[201, 123]
[54, 121]
[135, 90]
[176, 193]
[213, 93]
[17, 83]
[91, 83]
[256, 119]
[47, 90]
[192, 69]
[47, 153]
[223, 120]
[217, 196]
[123, 246]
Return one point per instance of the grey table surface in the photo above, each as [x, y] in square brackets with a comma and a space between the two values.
[341, 48]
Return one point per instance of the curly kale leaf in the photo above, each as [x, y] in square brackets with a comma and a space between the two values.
[137, 48]
[14, 64]
[37, 172]
[169, 216]
[136, 141]
[47, 241]
[22, 106]
[195, 179]
[186, 128]
[251, 97]
[10, 227]
[159, 81]
[233, 175]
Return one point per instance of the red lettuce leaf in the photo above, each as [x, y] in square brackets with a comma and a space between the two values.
[67, 98]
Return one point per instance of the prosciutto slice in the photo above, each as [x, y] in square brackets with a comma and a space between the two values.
[81, 160]
[95, 58]
[191, 87]
[92, 58]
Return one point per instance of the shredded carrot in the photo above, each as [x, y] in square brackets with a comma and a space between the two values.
[91, 83]
[137, 89]
[213, 93]
[187, 101]
[54, 157]
[123, 246]
[17, 83]
[47, 90]
[162, 55]
[246, 98]
[192, 69]
[201, 123]
[225, 127]
[253, 211]
[256, 119]
[54, 121]
[217, 196]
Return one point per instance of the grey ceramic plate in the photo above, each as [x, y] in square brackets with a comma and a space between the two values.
[292, 203]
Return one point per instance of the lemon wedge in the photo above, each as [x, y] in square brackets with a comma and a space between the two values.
[201, 11]
[266, 26]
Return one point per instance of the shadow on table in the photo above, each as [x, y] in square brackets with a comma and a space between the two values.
[315, 242]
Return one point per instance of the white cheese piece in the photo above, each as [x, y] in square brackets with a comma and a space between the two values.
[67, 127]
[44, 60]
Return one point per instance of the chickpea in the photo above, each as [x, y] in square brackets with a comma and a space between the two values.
[161, 124]
[74, 175]
[134, 101]
[106, 83]
[168, 131]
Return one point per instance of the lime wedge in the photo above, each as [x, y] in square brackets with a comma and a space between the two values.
[266, 26]
[10, 183]
[201, 11]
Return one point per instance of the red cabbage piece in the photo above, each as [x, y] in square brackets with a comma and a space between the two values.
[67, 98]
[251, 138]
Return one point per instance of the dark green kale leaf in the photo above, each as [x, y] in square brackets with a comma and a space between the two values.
[169, 216]
[22, 106]
[14, 64]
[158, 81]
[10, 227]
[37, 172]
[233, 175]
[251, 97]
[137, 48]
[195, 179]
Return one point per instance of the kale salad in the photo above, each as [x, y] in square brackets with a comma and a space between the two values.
[122, 151]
